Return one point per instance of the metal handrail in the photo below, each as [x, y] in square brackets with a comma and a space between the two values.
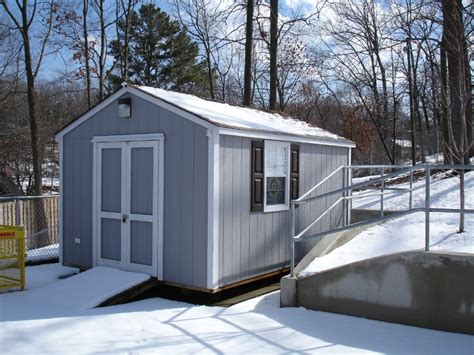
[302, 197]
[302, 233]
[347, 189]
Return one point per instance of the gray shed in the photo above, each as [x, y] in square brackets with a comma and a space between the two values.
[194, 192]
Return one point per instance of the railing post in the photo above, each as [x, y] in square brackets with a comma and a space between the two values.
[349, 193]
[410, 204]
[462, 175]
[382, 185]
[344, 194]
[427, 209]
[292, 256]
[17, 212]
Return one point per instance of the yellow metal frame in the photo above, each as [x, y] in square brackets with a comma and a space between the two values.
[12, 256]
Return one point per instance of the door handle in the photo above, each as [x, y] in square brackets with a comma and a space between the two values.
[124, 218]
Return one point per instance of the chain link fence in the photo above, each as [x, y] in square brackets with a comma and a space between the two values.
[40, 217]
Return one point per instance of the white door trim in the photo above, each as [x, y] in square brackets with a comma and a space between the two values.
[158, 203]
[129, 138]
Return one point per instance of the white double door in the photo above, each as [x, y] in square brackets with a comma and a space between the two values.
[127, 178]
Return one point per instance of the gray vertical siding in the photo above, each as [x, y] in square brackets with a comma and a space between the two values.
[185, 187]
[251, 244]
[317, 162]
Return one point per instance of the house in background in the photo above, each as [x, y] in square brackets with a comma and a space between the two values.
[196, 193]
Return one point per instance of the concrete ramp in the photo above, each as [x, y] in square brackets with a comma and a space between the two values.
[425, 289]
[71, 296]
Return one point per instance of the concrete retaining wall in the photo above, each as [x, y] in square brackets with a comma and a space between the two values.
[426, 289]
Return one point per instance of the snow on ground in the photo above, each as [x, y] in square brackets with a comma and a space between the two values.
[162, 326]
[51, 298]
[444, 192]
[408, 233]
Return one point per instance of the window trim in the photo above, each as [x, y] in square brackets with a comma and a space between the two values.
[281, 207]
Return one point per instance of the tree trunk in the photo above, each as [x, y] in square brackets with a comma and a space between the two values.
[468, 91]
[85, 9]
[209, 73]
[273, 53]
[453, 30]
[102, 55]
[248, 55]
[412, 110]
[444, 103]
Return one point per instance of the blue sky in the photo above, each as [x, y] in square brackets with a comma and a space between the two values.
[56, 64]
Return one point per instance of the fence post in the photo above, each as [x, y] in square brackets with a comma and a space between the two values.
[382, 185]
[292, 256]
[427, 209]
[17, 212]
[411, 190]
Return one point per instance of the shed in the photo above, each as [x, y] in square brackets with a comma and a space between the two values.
[194, 192]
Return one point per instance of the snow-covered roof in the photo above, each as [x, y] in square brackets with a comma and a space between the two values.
[242, 118]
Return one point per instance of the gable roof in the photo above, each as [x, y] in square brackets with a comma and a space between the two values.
[220, 115]
[242, 118]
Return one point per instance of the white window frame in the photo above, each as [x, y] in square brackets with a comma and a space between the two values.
[281, 207]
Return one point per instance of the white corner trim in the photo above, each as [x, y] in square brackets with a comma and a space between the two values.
[161, 206]
[213, 210]
[95, 201]
[61, 201]
[282, 137]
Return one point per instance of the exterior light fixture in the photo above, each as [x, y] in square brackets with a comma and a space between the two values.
[125, 107]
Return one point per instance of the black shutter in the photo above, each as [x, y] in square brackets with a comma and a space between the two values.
[295, 171]
[257, 172]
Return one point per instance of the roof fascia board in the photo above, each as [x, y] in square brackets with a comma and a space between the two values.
[283, 137]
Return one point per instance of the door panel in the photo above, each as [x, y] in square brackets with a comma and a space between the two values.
[111, 243]
[111, 180]
[141, 181]
[141, 242]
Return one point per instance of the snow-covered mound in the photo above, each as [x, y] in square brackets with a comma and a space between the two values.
[408, 233]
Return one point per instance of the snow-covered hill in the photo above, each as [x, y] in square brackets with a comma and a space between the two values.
[408, 233]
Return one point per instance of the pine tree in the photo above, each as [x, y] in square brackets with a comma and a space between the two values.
[160, 54]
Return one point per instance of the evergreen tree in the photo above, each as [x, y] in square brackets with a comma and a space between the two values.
[160, 53]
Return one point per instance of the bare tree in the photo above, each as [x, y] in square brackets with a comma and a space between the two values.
[247, 100]
[124, 11]
[204, 21]
[105, 18]
[273, 53]
[23, 18]
[85, 9]
[459, 98]
[361, 38]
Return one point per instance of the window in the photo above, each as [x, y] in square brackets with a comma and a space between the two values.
[275, 172]
[277, 176]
